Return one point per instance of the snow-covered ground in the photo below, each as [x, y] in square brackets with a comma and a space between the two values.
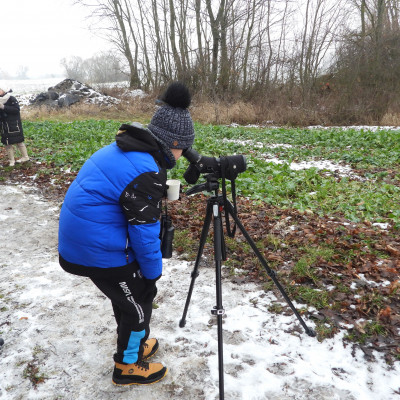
[28, 86]
[35, 86]
[27, 90]
[359, 127]
[63, 326]
[270, 124]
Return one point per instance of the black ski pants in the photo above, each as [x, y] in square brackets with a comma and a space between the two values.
[132, 301]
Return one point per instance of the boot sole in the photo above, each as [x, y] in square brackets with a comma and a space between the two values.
[141, 383]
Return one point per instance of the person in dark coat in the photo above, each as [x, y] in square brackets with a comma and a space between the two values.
[109, 227]
[11, 127]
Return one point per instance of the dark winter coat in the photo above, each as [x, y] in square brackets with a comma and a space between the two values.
[10, 121]
[110, 215]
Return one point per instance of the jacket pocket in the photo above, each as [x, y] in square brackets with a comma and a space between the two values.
[13, 127]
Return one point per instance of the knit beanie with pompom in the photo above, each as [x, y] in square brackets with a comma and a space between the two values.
[172, 122]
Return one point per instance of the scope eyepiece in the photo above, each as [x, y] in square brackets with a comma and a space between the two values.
[191, 155]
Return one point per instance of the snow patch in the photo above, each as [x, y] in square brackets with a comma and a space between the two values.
[62, 324]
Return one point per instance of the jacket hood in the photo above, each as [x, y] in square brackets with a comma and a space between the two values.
[135, 137]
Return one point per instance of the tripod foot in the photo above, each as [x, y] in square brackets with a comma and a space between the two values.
[310, 332]
[182, 323]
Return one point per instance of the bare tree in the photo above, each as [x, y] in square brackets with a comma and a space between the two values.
[200, 61]
[172, 29]
[367, 63]
[229, 45]
[22, 72]
[74, 68]
[160, 58]
[321, 22]
[116, 20]
[215, 23]
[102, 67]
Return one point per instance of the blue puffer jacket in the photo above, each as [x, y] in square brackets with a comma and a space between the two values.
[110, 215]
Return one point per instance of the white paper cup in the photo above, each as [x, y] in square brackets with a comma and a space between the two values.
[173, 189]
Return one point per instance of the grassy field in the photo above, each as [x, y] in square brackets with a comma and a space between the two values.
[374, 158]
[370, 191]
[323, 206]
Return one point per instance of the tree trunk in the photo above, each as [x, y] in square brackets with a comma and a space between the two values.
[200, 55]
[134, 81]
[175, 54]
[215, 23]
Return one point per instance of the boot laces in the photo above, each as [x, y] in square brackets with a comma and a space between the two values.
[143, 365]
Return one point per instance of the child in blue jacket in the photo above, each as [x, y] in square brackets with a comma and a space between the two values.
[109, 226]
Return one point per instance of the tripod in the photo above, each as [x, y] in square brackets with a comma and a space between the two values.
[215, 204]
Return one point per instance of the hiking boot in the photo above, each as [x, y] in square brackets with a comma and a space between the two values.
[150, 348]
[139, 373]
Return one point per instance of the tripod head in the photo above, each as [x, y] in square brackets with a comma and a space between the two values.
[228, 167]
[211, 185]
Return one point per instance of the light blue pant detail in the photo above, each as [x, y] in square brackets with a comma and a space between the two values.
[131, 352]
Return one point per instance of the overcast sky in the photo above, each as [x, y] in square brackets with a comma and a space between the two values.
[39, 33]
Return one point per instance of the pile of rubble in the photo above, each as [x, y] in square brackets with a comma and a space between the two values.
[69, 92]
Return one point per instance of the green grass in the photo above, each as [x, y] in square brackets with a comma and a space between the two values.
[68, 144]
[304, 266]
[303, 269]
[371, 329]
[373, 199]
[312, 297]
[375, 154]
[325, 329]
[182, 240]
[361, 148]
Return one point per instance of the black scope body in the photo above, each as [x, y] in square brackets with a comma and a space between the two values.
[229, 167]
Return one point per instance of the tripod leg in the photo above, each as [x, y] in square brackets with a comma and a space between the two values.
[270, 272]
[218, 309]
[223, 244]
[195, 273]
